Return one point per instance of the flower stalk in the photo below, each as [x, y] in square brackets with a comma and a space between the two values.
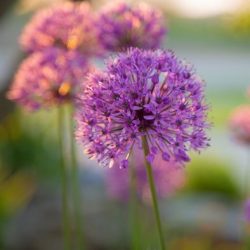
[76, 189]
[64, 182]
[135, 232]
[153, 192]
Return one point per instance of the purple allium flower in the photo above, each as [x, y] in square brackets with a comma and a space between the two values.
[69, 25]
[122, 26]
[169, 177]
[47, 78]
[142, 93]
[247, 210]
[240, 124]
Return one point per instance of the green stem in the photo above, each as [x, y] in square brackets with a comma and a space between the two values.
[135, 231]
[153, 192]
[64, 182]
[76, 187]
[246, 187]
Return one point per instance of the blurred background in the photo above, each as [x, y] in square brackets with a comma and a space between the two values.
[206, 213]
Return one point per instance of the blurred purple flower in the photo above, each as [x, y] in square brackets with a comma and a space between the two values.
[169, 177]
[47, 78]
[240, 124]
[69, 25]
[122, 26]
[247, 210]
[151, 93]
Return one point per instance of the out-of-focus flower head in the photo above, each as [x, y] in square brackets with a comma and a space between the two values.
[70, 26]
[122, 26]
[47, 78]
[142, 93]
[240, 124]
[169, 177]
[247, 210]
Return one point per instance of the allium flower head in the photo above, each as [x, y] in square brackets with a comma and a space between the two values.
[47, 78]
[169, 177]
[240, 124]
[247, 210]
[69, 25]
[142, 93]
[122, 26]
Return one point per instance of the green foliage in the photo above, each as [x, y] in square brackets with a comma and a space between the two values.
[211, 176]
[215, 31]
[25, 148]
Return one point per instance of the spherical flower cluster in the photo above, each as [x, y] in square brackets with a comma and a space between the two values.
[169, 177]
[247, 210]
[240, 124]
[70, 26]
[47, 78]
[142, 93]
[122, 26]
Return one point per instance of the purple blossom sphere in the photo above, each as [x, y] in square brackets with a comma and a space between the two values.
[70, 26]
[240, 124]
[48, 78]
[142, 93]
[122, 26]
[169, 177]
[247, 210]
